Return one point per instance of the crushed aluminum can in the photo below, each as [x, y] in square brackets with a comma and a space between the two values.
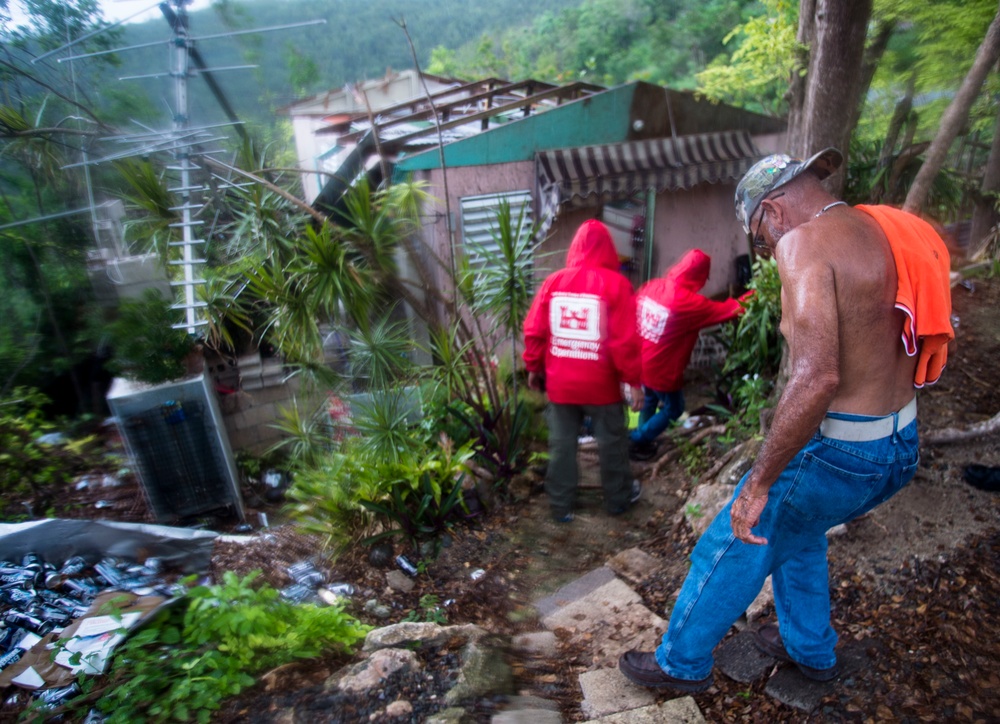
[305, 573]
[404, 563]
[18, 597]
[51, 698]
[82, 588]
[32, 562]
[153, 565]
[297, 593]
[74, 566]
[337, 593]
[33, 624]
[58, 617]
[108, 570]
[21, 578]
[11, 657]
[10, 637]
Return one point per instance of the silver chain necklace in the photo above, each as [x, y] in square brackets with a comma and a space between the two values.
[828, 207]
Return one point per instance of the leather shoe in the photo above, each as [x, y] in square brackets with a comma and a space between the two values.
[640, 668]
[768, 640]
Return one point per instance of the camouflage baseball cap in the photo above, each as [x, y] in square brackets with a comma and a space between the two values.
[774, 171]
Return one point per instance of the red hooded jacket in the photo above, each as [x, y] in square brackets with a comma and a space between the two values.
[580, 331]
[670, 313]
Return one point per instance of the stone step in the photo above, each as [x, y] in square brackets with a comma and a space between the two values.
[682, 710]
[602, 613]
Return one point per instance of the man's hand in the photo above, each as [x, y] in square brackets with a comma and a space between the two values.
[637, 400]
[745, 514]
[536, 381]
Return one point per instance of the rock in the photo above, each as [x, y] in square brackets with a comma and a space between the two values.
[520, 488]
[764, 601]
[369, 673]
[399, 581]
[527, 716]
[399, 709]
[451, 715]
[483, 672]
[736, 468]
[537, 643]
[634, 565]
[741, 661]
[420, 633]
[381, 555]
[607, 691]
[683, 710]
[376, 609]
[609, 620]
[705, 503]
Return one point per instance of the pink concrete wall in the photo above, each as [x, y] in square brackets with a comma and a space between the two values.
[702, 218]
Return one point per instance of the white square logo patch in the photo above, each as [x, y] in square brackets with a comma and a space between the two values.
[652, 319]
[575, 316]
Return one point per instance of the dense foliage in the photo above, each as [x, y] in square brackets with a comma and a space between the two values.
[208, 645]
[754, 349]
[36, 461]
[601, 41]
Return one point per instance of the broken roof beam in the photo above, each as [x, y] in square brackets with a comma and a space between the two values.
[394, 144]
[411, 104]
[573, 91]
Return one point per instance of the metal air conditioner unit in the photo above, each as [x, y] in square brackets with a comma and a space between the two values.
[176, 437]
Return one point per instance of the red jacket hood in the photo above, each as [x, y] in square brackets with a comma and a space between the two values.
[593, 247]
[691, 272]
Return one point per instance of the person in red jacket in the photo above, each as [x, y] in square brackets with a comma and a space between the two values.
[581, 348]
[671, 312]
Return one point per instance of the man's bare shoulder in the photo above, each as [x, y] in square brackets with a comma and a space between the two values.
[804, 249]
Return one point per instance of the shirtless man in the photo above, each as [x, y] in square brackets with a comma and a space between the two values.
[843, 437]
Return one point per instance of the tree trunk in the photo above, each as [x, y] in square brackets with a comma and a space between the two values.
[796, 95]
[985, 215]
[900, 114]
[873, 55]
[954, 118]
[833, 80]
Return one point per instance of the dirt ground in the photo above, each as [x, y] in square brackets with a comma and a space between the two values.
[916, 579]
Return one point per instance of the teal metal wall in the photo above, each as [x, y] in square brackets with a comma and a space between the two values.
[598, 119]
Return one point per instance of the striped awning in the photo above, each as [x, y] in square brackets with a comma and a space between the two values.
[591, 174]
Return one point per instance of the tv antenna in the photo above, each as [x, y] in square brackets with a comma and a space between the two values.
[184, 142]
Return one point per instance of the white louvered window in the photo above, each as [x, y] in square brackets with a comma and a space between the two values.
[479, 222]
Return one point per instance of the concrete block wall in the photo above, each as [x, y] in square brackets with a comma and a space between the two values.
[252, 410]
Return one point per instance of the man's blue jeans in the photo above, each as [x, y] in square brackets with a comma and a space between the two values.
[829, 482]
[651, 422]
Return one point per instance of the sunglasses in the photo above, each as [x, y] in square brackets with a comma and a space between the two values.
[758, 239]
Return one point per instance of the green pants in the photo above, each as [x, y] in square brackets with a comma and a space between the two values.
[563, 475]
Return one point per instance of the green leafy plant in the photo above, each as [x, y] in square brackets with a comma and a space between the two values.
[29, 466]
[421, 498]
[325, 499]
[207, 646]
[146, 346]
[694, 510]
[754, 350]
[693, 457]
[429, 610]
